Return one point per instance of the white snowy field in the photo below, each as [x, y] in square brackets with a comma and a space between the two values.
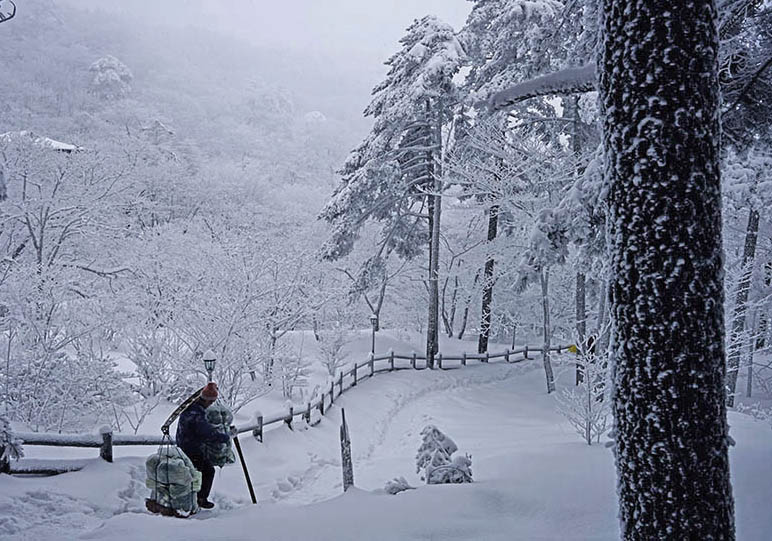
[535, 478]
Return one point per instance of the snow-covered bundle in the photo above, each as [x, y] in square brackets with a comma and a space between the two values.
[173, 479]
[10, 446]
[221, 418]
[435, 462]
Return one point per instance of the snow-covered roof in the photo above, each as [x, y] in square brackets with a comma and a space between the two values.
[40, 140]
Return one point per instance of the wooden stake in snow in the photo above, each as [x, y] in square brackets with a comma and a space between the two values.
[345, 453]
[244, 467]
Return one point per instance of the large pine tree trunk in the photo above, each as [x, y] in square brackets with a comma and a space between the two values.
[741, 305]
[487, 297]
[660, 108]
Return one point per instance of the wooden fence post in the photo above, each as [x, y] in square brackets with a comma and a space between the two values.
[340, 382]
[391, 360]
[106, 450]
[354, 372]
[506, 355]
[345, 453]
[463, 359]
[332, 392]
[5, 461]
[372, 364]
[412, 361]
[258, 431]
[308, 413]
[525, 353]
[439, 361]
[288, 419]
[321, 405]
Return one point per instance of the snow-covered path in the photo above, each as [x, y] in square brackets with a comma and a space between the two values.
[535, 479]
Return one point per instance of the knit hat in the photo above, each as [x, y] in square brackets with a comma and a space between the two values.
[209, 392]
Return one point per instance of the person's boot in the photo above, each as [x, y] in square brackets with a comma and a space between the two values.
[205, 504]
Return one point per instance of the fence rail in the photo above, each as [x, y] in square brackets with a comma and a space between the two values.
[106, 439]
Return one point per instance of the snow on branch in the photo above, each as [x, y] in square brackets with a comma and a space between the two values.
[567, 81]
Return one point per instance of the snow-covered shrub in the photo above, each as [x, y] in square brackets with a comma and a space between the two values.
[588, 405]
[435, 463]
[10, 446]
[293, 372]
[397, 485]
[331, 345]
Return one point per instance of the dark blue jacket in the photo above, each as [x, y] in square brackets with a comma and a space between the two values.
[193, 430]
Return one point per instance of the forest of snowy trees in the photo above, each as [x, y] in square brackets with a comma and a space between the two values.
[594, 172]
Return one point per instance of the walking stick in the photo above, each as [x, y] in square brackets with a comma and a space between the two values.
[244, 467]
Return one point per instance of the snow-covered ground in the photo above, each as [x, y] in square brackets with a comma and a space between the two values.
[535, 478]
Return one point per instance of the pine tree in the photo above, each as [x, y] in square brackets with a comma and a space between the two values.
[659, 95]
[394, 176]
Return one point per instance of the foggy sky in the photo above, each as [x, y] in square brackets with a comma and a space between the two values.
[343, 29]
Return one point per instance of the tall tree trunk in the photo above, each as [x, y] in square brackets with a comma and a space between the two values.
[603, 316]
[453, 306]
[741, 305]
[448, 317]
[432, 330]
[545, 303]
[751, 352]
[488, 282]
[465, 317]
[659, 97]
[764, 316]
[581, 293]
[581, 321]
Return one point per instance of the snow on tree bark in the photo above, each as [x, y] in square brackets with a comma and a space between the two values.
[741, 305]
[488, 282]
[659, 96]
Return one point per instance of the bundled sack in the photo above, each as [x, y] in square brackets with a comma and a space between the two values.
[173, 479]
[221, 418]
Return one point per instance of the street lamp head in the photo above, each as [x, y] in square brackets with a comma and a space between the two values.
[209, 360]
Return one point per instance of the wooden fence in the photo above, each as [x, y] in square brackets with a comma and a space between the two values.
[106, 439]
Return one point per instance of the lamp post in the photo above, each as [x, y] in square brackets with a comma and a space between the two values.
[209, 360]
[374, 324]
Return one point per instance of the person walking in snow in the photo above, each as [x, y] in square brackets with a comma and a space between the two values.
[193, 431]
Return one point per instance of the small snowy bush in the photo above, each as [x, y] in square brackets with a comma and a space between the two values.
[331, 345]
[397, 485]
[588, 406]
[293, 372]
[10, 446]
[434, 460]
